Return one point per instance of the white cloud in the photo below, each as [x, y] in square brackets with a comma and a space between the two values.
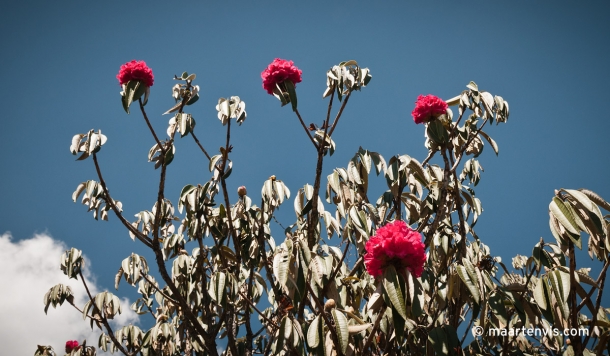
[28, 269]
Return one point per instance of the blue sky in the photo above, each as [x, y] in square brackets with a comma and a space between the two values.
[548, 59]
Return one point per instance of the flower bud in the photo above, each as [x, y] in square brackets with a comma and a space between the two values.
[241, 191]
[330, 304]
[71, 345]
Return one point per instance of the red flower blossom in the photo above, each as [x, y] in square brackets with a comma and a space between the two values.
[71, 345]
[398, 245]
[278, 71]
[135, 70]
[428, 107]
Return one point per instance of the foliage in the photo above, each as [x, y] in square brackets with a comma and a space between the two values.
[225, 261]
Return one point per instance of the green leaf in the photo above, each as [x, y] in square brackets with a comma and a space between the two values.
[213, 162]
[333, 180]
[341, 327]
[452, 337]
[539, 295]
[183, 194]
[291, 93]
[453, 101]
[169, 156]
[355, 329]
[285, 332]
[493, 143]
[554, 227]
[228, 170]
[297, 334]
[125, 103]
[313, 333]
[133, 91]
[593, 219]
[560, 282]
[596, 198]
[472, 86]
[548, 313]
[542, 257]
[436, 131]
[564, 215]
[399, 324]
[218, 287]
[139, 90]
[305, 251]
[392, 289]
[280, 266]
[496, 304]
[439, 341]
[193, 99]
[287, 328]
[306, 208]
[471, 284]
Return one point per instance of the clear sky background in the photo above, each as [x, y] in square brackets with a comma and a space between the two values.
[548, 59]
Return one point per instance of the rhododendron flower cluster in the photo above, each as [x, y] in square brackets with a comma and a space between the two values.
[71, 345]
[136, 70]
[398, 245]
[428, 107]
[278, 71]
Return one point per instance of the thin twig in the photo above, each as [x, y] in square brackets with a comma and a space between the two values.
[458, 207]
[172, 300]
[258, 311]
[229, 324]
[263, 253]
[303, 300]
[456, 124]
[223, 183]
[597, 282]
[375, 327]
[330, 105]
[430, 155]
[339, 113]
[440, 212]
[313, 220]
[333, 332]
[143, 238]
[247, 312]
[576, 340]
[150, 127]
[356, 266]
[194, 323]
[598, 300]
[468, 328]
[459, 158]
[104, 321]
[200, 146]
[306, 129]
[335, 271]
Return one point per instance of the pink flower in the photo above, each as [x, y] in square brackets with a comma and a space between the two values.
[135, 70]
[428, 107]
[398, 245]
[71, 345]
[278, 71]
